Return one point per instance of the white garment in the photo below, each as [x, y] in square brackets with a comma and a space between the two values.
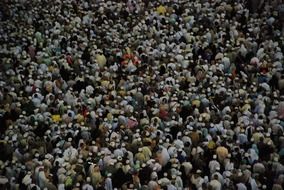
[215, 184]
[213, 164]
[253, 184]
[87, 187]
[108, 184]
[187, 167]
[164, 181]
[42, 179]
[179, 144]
[165, 156]
[197, 181]
[179, 183]
[70, 153]
[171, 187]
[118, 152]
[152, 185]
[220, 177]
[61, 187]
[241, 186]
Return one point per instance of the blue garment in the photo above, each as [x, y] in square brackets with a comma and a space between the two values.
[262, 79]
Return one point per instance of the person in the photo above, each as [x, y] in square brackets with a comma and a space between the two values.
[108, 182]
[87, 186]
[141, 94]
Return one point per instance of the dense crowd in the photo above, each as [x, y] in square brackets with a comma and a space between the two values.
[141, 94]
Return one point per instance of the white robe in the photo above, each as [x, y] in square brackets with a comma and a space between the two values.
[165, 157]
[108, 184]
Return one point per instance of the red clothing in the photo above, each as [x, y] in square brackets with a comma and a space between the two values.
[69, 59]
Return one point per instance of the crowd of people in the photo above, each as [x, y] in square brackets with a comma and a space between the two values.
[141, 94]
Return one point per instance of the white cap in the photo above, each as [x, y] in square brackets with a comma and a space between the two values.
[88, 179]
